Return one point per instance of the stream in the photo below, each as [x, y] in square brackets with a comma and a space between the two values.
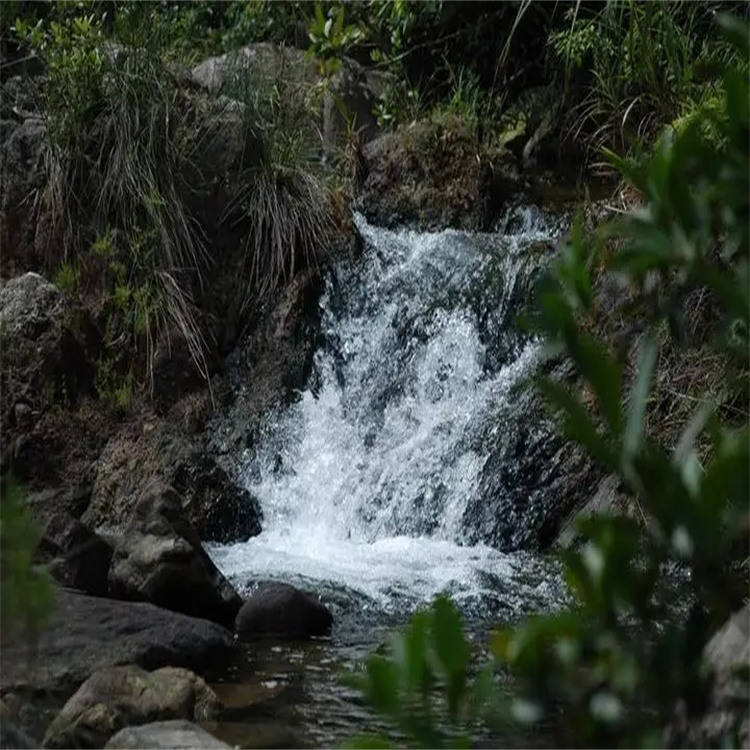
[370, 481]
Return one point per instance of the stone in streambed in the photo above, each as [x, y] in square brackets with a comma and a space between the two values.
[283, 611]
[172, 735]
[118, 697]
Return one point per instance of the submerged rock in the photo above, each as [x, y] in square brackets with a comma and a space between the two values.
[281, 610]
[170, 735]
[86, 634]
[114, 698]
[160, 560]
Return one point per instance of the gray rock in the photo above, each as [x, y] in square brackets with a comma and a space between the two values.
[262, 60]
[178, 734]
[86, 634]
[117, 697]
[355, 90]
[727, 717]
[160, 560]
[46, 343]
[22, 154]
[281, 610]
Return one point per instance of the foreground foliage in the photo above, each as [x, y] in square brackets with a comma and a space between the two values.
[613, 670]
[26, 591]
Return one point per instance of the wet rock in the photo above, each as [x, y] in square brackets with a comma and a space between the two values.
[160, 560]
[77, 557]
[46, 343]
[277, 359]
[12, 736]
[726, 720]
[434, 174]
[86, 634]
[177, 734]
[217, 507]
[281, 610]
[531, 482]
[118, 697]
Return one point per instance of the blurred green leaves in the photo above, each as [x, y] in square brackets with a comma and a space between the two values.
[26, 593]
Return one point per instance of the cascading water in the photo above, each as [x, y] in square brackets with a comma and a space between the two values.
[366, 480]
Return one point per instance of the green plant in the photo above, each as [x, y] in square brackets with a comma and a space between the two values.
[123, 149]
[68, 278]
[26, 593]
[648, 64]
[613, 669]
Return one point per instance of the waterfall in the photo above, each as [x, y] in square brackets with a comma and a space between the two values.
[366, 480]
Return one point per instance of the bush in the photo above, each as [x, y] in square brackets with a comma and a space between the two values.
[612, 670]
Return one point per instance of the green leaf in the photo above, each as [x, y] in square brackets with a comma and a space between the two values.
[639, 397]
[370, 742]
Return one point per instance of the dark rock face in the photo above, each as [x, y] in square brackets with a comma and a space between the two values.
[118, 697]
[218, 508]
[170, 735]
[160, 560]
[23, 145]
[12, 736]
[78, 558]
[86, 634]
[532, 480]
[276, 359]
[47, 346]
[281, 610]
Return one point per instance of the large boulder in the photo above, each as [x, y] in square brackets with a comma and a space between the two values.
[218, 508]
[435, 174]
[76, 556]
[282, 611]
[118, 697]
[47, 355]
[177, 734]
[531, 481]
[160, 559]
[86, 634]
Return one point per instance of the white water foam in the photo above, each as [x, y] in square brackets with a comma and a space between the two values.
[364, 481]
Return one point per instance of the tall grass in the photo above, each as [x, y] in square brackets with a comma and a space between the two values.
[128, 180]
[639, 67]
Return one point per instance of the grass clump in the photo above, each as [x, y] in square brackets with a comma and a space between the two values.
[133, 193]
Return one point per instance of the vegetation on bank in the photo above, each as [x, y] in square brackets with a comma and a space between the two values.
[127, 191]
